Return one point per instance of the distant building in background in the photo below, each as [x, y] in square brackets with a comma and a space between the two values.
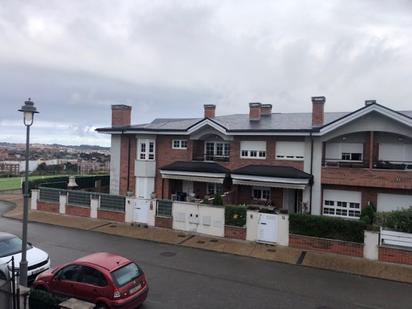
[9, 168]
[87, 167]
[4, 154]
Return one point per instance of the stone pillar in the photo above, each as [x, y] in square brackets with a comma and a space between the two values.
[152, 212]
[129, 210]
[283, 230]
[62, 203]
[94, 205]
[252, 221]
[371, 245]
[34, 197]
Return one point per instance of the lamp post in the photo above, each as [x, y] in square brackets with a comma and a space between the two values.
[28, 111]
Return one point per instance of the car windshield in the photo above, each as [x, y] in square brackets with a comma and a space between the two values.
[10, 246]
[125, 274]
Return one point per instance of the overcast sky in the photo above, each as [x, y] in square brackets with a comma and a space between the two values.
[168, 58]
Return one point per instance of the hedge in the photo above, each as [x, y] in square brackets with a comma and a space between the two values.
[40, 299]
[235, 215]
[399, 220]
[84, 182]
[327, 227]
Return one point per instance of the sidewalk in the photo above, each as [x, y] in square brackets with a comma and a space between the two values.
[341, 263]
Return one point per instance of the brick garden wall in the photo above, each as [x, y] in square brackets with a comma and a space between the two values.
[235, 232]
[47, 206]
[164, 222]
[326, 245]
[77, 211]
[110, 215]
[395, 255]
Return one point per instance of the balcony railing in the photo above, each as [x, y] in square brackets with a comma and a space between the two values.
[208, 157]
[345, 163]
[380, 164]
[393, 165]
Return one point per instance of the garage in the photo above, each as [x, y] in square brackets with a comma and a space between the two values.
[342, 203]
[390, 202]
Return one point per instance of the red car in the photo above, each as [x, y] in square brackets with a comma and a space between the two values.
[105, 279]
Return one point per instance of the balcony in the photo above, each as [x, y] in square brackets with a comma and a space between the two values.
[379, 164]
[211, 157]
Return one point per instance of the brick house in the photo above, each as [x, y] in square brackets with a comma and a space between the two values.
[322, 163]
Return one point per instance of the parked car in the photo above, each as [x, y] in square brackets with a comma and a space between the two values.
[10, 246]
[105, 279]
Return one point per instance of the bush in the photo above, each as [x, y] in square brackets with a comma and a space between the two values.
[327, 227]
[368, 214]
[235, 215]
[217, 200]
[399, 220]
[40, 299]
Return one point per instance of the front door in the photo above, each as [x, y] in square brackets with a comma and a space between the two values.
[141, 210]
[267, 228]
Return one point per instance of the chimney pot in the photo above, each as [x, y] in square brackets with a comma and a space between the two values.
[266, 110]
[369, 102]
[209, 110]
[318, 104]
[121, 115]
[255, 111]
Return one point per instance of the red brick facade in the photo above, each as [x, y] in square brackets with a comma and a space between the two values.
[164, 222]
[235, 232]
[395, 255]
[77, 211]
[110, 215]
[326, 245]
[47, 206]
[365, 177]
[128, 150]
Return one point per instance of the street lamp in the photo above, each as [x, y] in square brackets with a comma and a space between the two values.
[28, 111]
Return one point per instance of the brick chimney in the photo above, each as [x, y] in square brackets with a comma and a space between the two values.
[318, 104]
[121, 115]
[209, 110]
[266, 110]
[255, 111]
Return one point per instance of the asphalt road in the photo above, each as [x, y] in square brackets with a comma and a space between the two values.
[182, 277]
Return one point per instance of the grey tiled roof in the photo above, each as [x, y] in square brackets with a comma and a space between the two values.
[241, 122]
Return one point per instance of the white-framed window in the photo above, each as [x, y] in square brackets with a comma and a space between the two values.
[216, 150]
[344, 151]
[146, 149]
[214, 188]
[290, 150]
[179, 144]
[261, 193]
[253, 149]
[339, 203]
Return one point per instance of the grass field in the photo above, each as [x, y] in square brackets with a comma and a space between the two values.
[15, 182]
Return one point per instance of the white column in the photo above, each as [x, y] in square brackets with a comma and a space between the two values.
[62, 203]
[94, 205]
[129, 210]
[283, 230]
[252, 221]
[34, 197]
[371, 245]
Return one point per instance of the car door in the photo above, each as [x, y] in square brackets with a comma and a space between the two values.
[92, 285]
[64, 281]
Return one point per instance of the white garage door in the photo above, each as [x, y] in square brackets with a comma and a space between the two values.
[389, 202]
[341, 203]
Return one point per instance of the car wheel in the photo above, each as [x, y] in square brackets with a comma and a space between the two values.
[101, 306]
[41, 288]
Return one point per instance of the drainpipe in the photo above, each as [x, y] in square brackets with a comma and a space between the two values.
[311, 173]
[128, 165]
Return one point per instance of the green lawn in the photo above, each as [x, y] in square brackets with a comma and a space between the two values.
[15, 182]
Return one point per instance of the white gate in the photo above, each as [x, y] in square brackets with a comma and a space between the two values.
[267, 228]
[141, 210]
[393, 238]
